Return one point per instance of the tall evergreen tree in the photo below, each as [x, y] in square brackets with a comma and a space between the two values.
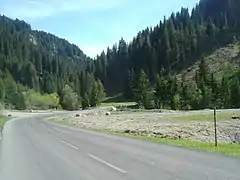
[129, 85]
[143, 91]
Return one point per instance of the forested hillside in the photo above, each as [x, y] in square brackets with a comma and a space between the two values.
[144, 70]
[40, 61]
[172, 45]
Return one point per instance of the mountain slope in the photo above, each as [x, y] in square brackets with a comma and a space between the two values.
[173, 45]
[40, 61]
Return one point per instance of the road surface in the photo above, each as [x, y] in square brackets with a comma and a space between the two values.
[33, 149]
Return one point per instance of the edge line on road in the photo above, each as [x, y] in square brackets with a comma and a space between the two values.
[106, 163]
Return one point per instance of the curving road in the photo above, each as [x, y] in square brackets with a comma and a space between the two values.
[32, 149]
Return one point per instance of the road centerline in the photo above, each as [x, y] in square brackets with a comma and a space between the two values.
[70, 145]
[106, 163]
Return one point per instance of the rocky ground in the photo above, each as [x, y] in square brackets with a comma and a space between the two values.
[194, 125]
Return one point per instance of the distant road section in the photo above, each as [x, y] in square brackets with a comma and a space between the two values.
[33, 149]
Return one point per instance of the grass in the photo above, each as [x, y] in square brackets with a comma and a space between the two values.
[3, 120]
[227, 149]
[204, 117]
[60, 121]
[117, 104]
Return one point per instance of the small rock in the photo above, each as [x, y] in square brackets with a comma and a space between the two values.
[108, 113]
[127, 131]
[77, 115]
[113, 108]
[237, 138]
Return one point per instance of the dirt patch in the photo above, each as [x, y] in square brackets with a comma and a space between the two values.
[157, 124]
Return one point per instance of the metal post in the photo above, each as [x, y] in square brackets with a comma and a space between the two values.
[215, 126]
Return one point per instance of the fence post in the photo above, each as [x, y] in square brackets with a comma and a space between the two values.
[215, 127]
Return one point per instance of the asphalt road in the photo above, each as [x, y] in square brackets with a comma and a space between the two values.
[32, 149]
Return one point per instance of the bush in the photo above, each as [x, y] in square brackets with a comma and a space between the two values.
[85, 101]
[35, 100]
[2, 106]
[97, 94]
[69, 100]
[18, 101]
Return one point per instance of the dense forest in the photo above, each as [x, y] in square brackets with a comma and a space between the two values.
[42, 62]
[159, 53]
[143, 70]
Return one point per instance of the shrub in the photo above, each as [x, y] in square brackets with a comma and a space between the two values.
[35, 100]
[69, 100]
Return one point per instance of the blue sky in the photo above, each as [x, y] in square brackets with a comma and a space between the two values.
[92, 24]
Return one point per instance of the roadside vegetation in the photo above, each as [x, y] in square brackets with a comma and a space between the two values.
[67, 99]
[3, 120]
[228, 149]
[118, 104]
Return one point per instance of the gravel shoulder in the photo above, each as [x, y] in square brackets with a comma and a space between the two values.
[193, 125]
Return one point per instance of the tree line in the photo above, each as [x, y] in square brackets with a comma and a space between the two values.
[206, 90]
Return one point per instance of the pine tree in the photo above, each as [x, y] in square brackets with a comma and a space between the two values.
[225, 93]
[173, 92]
[143, 91]
[159, 92]
[185, 94]
[167, 49]
[235, 93]
[85, 101]
[215, 91]
[129, 85]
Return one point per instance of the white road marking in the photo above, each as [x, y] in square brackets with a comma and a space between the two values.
[55, 138]
[70, 145]
[57, 130]
[106, 163]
